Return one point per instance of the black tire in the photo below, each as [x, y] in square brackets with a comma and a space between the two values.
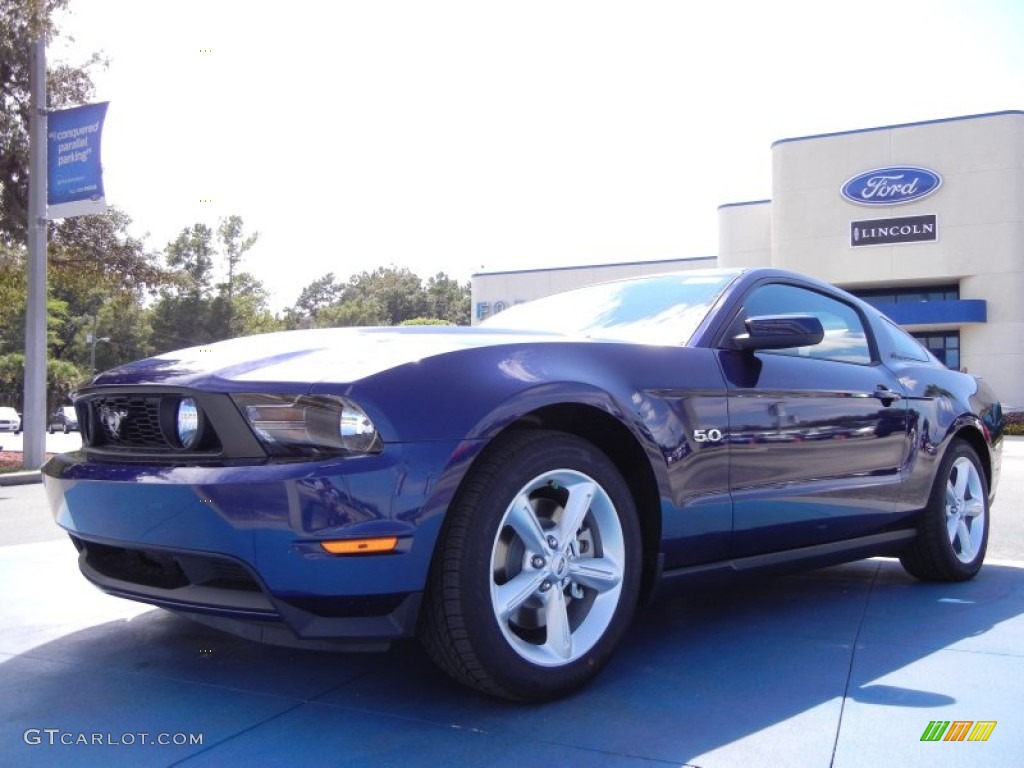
[953, 532]
[66, 430]
[583, 581]
[50, 429]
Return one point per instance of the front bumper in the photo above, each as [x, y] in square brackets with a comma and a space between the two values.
[240, 546]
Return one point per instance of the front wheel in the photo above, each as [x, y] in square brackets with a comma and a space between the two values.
[953, 533]
[538, 569]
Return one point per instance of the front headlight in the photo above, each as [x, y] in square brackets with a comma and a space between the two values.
[186, 422]
[309, 426]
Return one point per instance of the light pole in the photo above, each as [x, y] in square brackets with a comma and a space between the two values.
[93, 341]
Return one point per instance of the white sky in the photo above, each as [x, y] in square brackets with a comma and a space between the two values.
[473, 135]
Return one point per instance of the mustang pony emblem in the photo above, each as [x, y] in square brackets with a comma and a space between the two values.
[112, 419]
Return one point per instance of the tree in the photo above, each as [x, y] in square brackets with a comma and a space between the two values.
[235, 247]
[87, 252]
[181, 317]
[398, 293]
[385, 296]
[12, 379]
[447, 300]
[244, 312]
[192, 309]
[121, 331]
[358, 310]
[321, 293]
[62, 378]
[191, 254]
[95, 263]
[12, 298]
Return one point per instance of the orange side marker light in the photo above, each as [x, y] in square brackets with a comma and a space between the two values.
[360, 546]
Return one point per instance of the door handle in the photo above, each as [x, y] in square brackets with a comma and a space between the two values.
[884, 394]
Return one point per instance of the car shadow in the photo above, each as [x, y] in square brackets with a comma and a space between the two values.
[717, 674]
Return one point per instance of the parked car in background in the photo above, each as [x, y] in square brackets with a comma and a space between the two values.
[510, 493]
[10, 420]
[64, 418]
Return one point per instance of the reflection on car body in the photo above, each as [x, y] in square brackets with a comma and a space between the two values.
[510, 493]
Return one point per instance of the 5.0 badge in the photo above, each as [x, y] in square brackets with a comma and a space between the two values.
[708, 435]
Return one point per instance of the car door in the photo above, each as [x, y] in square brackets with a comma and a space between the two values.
[817, 434]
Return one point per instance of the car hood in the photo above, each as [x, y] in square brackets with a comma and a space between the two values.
[308, 357]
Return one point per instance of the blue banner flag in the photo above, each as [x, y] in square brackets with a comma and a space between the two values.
[74, 170]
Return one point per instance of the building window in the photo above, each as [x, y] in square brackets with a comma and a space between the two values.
[877, 296]
[945, 345]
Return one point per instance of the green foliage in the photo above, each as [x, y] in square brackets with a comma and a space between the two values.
[242, 297]
[426, 321]
[193, 309]
[95, 263]
[448, 300]
[1013, 423]
[359, 310]
[12, 379]
[87, 253]
[397, 292]
[321, 293]
[62, 378]
[385, 296]
[12, 298]
[119, 332]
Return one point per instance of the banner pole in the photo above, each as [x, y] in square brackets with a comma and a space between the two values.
[34, 411]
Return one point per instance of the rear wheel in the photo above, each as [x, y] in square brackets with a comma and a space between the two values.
[537, 573]
[953, 533]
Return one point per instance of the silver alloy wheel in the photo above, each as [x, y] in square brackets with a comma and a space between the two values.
[965, 510]
[557, 567]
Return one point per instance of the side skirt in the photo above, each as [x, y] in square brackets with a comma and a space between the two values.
[786, 561]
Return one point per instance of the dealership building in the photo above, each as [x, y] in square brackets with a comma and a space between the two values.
[923, 220]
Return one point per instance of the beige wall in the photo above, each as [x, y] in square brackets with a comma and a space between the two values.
[745, 234]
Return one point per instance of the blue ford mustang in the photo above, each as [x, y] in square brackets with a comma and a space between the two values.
[510, 493]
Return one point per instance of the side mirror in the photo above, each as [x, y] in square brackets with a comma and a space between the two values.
[780, 332]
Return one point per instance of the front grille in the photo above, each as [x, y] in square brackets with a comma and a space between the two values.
[140, 424]
[131, 421]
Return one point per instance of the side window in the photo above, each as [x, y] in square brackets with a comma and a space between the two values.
[845, 339]
[905, 346]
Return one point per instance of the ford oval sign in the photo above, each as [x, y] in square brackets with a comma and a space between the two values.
[891, 186]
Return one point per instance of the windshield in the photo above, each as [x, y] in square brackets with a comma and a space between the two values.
[661, 309]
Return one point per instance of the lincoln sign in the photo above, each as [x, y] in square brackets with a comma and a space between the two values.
[909, 229]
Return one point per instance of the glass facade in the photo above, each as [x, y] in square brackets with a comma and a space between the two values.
[910, 295]
[945, 345]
